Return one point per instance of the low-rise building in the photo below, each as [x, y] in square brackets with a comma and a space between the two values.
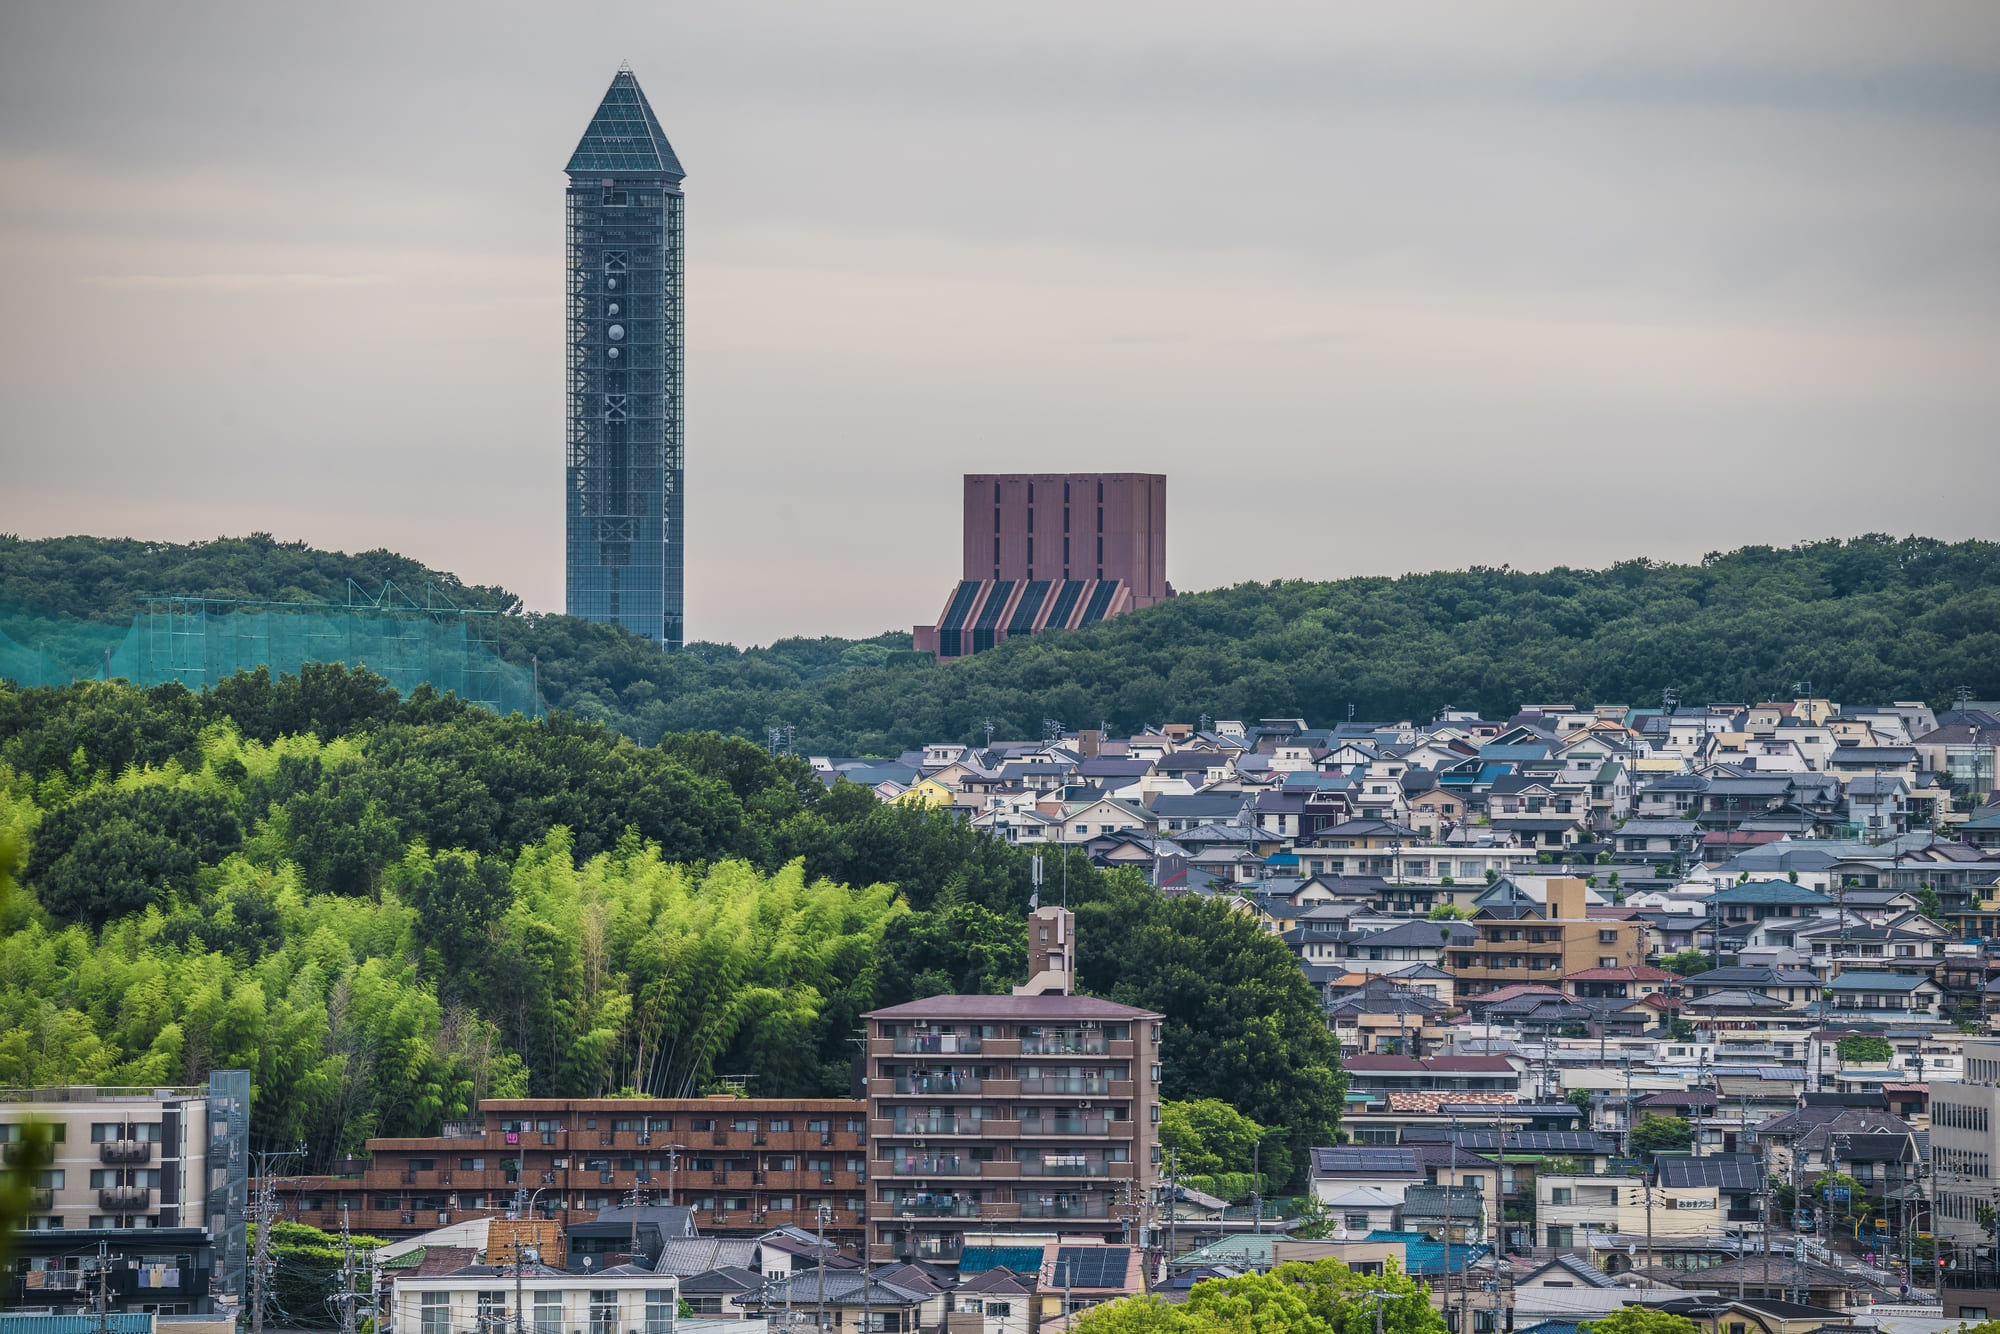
[624, 1299]
[155, 1178]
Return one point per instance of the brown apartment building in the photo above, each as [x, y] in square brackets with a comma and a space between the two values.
[1524, 940]
[1030, 1115]
[743, 1165]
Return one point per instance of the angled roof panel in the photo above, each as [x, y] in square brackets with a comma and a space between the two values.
[624, 136]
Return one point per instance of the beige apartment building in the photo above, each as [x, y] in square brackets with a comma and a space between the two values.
[1031, 1115]
[156, 1179]
[1525, 941]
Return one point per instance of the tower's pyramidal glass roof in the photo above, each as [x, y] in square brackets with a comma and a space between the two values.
[624, 135]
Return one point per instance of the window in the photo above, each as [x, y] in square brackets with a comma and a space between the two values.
[548, 1313]
[472, 1164]
[1560, 1195]
[603, 1312]
[660, 1306]
[1607, 961]
[435, 1313]
[1562, 1238]
[781, 1125]
[492, 1306]
[1607, 937]
[1356, 1223]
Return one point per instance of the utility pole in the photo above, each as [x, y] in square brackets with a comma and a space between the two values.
[1257, 1187]
[103, 1312]
[265, 1210]
[819, 1253]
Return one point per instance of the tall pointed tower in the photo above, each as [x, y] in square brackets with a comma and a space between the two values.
[624, 540]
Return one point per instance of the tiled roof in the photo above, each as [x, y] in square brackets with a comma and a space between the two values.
[1011, 1007]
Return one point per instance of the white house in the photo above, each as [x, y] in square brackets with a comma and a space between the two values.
[481, 1298]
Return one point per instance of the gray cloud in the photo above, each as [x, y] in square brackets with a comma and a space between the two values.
[1380, 289]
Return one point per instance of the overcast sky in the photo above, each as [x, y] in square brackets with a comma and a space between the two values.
[1405, 287]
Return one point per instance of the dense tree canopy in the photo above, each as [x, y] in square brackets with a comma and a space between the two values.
[389, 908]
[1321, 1297]
[1873, 618]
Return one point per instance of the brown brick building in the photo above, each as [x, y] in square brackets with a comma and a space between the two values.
[742, 1164]
[1024, 1114]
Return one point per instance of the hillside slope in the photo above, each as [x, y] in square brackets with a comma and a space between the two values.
[1871, 618]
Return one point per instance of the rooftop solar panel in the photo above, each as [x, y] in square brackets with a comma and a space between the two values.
[1092, 1266]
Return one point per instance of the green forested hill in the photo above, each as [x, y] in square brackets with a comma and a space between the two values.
[387, 909]
[1868, 619]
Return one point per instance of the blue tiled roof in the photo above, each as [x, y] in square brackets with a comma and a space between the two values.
[1428, 1257]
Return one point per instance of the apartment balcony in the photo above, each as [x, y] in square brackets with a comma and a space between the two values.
[1074, 1042]
[1057, 1167]
[125, 1151]
[124, 1199]
[1065, 1209]
[1070, 1084]
[936, 1044]
[929, 1248]
[41, 1199]
[938, 1084]
[934, 1125]
[1000, 1171]
[945, 1165]
[1067, 1125]
[934, 1208]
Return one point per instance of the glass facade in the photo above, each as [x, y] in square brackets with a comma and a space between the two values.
[623, 529]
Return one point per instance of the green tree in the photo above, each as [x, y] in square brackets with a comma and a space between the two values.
[116, 850]
[1864, 1049]
[1928, 902]
[1241, 1022]
[1581, 1099]
[1656, 1133]
[1448, 912]
[1686, 963]
[1640, 1320]
[1208, 1136]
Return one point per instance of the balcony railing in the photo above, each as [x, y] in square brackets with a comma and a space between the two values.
[934, 1125]
[950, 1083]
[125, 1151]
[949, 1165]
[1066, 1125]
[1065, 1209]
[41, 1199]
[1064, 1084]
[1070, 1042]
[936, 1208]
[930, 1248]
[935, 1044]
[124, 1199]
[1064, 1167]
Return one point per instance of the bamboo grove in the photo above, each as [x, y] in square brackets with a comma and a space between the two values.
[387, 909]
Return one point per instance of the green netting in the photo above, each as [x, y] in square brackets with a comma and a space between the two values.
[201, 643]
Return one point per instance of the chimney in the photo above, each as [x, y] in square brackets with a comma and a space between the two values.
[1051, 953]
